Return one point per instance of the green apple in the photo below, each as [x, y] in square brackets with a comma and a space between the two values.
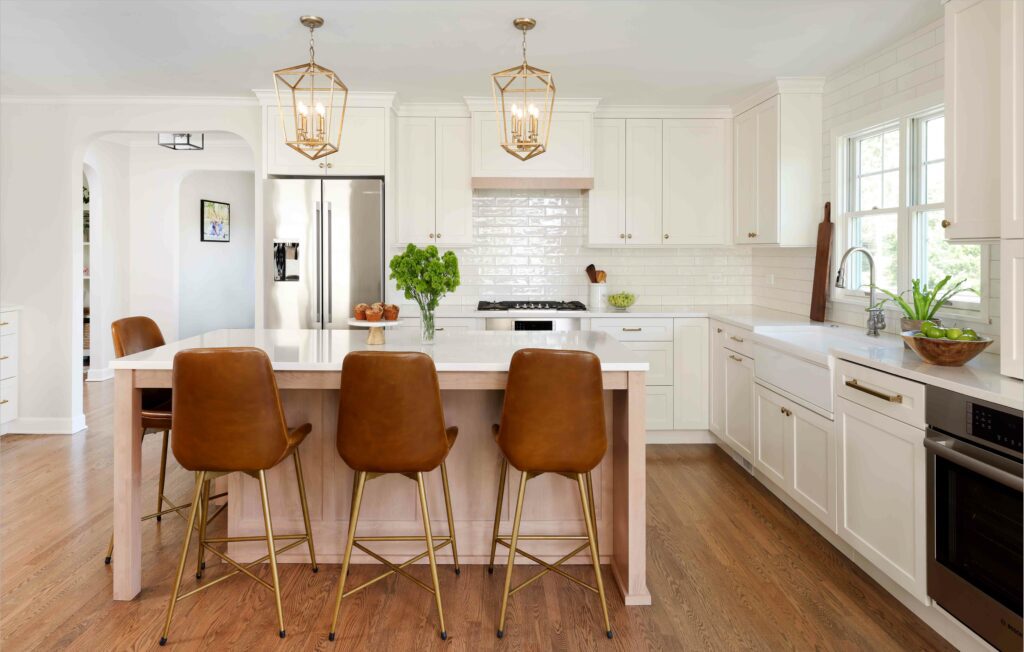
[919, 334]
[935, 333]
[954, 333]
[970, 331]
[967, 337]
[926, 324]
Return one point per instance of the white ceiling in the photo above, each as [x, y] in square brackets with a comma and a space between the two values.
[638, 52]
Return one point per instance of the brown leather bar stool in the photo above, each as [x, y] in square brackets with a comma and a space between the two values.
[133, 335]
[390, 420]
[552, 421]
[228, 418]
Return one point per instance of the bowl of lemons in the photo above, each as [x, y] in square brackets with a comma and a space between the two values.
[621, 300]
[949, 347]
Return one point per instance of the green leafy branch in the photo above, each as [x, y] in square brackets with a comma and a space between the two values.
[424, 275]
[924, 302]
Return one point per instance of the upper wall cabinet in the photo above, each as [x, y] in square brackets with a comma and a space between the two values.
[660, 182]
[777, 169]
[972, 105]
[1012, 120]
[569, 154]
[435, 198]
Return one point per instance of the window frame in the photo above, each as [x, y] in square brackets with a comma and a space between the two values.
[907, 116]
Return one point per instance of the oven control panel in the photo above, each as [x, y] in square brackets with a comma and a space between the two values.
[995, 426]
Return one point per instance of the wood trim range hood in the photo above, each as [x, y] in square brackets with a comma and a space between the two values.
[533, 183]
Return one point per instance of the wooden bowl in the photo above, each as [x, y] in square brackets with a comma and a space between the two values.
[948, 353]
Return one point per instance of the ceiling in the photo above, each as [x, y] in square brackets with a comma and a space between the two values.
[632, 52]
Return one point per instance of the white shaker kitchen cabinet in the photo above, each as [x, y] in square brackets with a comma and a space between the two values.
[690, 370]
[607, 200]
[972, 108]
[1012, 117]
[696, 195]
[569, 152]
[659, 356]
[739, 404]
[659, 407]
[416, 178]
[1011, 308]
[453, 191]
[435, 196]
[881, 498]
[771, 424]
[716, 381]
[643, 182]
[777, 171]
[362, 150]
[811, 462]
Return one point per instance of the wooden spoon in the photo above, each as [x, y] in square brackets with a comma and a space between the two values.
[592, 273]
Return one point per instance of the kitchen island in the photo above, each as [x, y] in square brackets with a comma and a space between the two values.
[472, 369]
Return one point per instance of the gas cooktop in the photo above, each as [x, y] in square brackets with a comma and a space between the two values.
[530, 305]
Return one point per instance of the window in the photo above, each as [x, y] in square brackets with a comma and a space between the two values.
[891, 186]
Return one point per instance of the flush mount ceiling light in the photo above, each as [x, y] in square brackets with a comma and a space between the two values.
[524, 98]
[180, 141]
[311, 101]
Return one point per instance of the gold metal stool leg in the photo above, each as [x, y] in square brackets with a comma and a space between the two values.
[588, 516]
[357, 499]
[497, 514]
[204, 508]
[163, 476]
[200, 477]
[593, 510]
[271, 551]
[430, 552]
[305, 508]
[451, 519]
[512, 552]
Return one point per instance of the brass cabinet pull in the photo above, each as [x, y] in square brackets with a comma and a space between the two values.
[632, 330]
[718, 330]
[945, 224]
[5, 323]
[4, 357]
[785, 411]
[437, 330]
[735, 339]
[3, 401]
[752, 234]
[892, 398]
[736, 358]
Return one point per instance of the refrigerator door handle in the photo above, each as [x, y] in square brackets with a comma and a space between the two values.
[330, 264]
[319, 266]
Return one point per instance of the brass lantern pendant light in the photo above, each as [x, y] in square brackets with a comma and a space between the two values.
[524, 98]
[311, 101]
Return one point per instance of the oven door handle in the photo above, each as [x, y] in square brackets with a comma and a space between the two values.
[939, 448]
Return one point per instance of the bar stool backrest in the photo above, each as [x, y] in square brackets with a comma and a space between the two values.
[390, 418]
[227, 411]
[553, 417]
[135, 334]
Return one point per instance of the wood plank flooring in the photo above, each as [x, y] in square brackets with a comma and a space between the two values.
[730, 567]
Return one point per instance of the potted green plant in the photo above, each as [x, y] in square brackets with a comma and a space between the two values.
[924, 301]
[425, 276]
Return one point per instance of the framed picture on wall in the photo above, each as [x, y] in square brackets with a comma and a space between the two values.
[214, 221]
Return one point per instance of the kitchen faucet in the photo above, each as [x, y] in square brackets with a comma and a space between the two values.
[876, 317]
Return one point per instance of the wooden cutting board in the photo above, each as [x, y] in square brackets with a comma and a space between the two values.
[819, 291]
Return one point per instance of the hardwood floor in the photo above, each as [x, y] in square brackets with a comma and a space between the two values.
[730, 567]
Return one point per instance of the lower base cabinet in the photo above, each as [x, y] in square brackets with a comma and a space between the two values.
[882, 501]
[659, 407]
[738, 384]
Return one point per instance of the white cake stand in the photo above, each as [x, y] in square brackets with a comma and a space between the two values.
[376, 335]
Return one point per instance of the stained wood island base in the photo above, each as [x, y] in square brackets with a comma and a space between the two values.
[472, 368]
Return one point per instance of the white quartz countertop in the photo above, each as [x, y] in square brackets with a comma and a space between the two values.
[745, 316]
[314, 350]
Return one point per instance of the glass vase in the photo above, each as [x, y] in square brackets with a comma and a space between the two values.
[426, 326]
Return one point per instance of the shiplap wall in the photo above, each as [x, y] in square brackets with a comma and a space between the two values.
[912, 67]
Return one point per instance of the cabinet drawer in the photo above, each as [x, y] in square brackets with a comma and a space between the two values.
[8, 323]
[659, 356]
[884, 393]
[8, 400]
[659, 408]
[8, 356]
[635, 330]
[734, 338]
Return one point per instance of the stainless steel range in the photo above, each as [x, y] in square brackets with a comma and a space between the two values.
[975, 527]
[519, 321]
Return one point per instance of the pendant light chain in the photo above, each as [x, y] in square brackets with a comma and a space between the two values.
[311, 51]
[524, 47]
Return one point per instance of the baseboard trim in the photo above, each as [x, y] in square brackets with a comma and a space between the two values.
[44, 426]
[99, 375]
[680, 437]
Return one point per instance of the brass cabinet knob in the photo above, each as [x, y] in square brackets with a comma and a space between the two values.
[629, 236]
[752, 235]
[666, 236]
[945, 224]
[431, 236]
[622, 235]
[326, 165]
[438, 236]
[718, 330]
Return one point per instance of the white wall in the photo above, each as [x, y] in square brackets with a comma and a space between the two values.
[44, 141]
[912, 67]
[217, 283]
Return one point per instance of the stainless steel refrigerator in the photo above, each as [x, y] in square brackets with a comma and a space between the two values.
[324, 243]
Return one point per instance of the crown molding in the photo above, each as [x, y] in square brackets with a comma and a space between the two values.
[792, 85]
[268, 97]
[432, 110]
[563, 105]
[121, 100]
[667, 111]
